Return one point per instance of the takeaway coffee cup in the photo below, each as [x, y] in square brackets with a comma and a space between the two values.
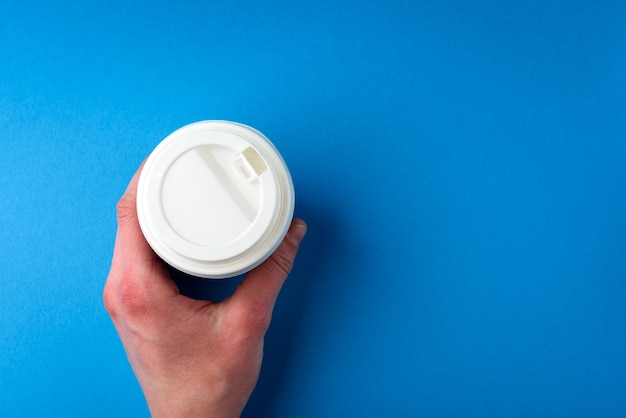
[215, 199]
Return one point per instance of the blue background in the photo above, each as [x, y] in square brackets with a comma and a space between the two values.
[461, 165]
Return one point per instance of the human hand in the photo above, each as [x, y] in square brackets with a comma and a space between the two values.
[192, 358]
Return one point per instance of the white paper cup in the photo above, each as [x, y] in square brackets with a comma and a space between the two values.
[215, 199]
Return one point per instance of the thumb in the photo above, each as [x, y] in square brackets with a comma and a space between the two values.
[261, 286]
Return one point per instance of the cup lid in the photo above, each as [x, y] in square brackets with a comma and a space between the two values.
[215, 199]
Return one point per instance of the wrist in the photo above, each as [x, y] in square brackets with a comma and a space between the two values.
[198, 403]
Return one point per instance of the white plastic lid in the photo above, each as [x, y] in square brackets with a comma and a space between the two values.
[215, 199]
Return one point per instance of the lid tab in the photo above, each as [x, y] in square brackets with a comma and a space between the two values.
[250, 164]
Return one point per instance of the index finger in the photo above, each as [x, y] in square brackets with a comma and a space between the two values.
[130, 241]
[132, 255]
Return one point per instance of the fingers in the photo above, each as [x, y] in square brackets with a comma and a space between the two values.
[135, 265]
[129, 237]
[259, 290]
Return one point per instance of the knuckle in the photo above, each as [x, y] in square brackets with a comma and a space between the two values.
[132, 300]
[254, 320]
[125, 208]
[281, 262]
[109, 300]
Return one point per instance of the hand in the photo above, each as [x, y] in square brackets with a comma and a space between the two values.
[192, 358]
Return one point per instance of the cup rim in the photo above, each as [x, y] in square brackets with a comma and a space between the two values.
[185, 256]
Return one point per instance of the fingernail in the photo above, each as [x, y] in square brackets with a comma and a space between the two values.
[298, 230]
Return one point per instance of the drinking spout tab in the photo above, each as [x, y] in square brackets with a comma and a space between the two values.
[250, 164]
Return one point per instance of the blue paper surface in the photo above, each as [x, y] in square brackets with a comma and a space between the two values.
[461, 167]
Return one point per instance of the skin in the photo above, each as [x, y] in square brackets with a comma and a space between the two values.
[192, 358]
